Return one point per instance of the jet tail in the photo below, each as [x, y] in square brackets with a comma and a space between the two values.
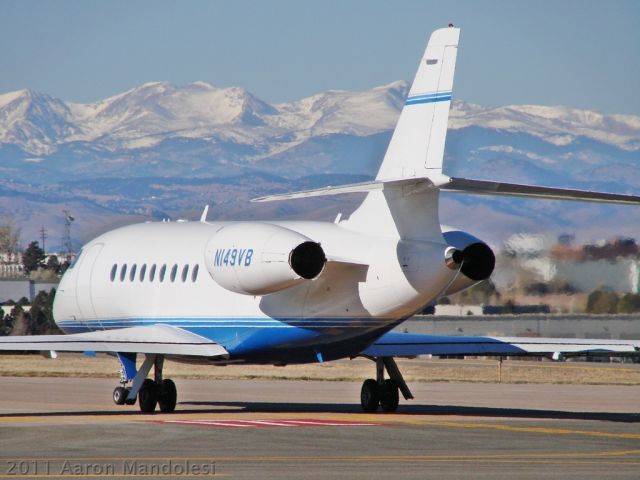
[417, 144]
[402, 201]
[401, 208]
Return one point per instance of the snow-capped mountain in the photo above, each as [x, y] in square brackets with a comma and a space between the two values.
[34, 122]
[144, 116]
[199, 129]
[197, 133]
[556, 125]
[39, 123]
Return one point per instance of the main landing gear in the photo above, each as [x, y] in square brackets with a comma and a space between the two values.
[150, 393]
[381, 392]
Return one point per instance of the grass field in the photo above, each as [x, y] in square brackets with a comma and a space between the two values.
[414, 370]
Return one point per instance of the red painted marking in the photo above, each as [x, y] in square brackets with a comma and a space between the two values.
[269, 423]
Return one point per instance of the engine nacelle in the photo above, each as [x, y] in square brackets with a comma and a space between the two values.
[476, 259]
[259, 258]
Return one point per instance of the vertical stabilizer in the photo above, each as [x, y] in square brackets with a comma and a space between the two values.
[415, 151]
[403, 201]
[417, 145]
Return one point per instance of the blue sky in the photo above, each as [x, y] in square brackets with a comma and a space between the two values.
[577, 53]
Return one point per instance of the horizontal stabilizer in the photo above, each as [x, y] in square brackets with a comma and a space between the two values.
[464, 185]
[349, 188]
[321, 192]
[159, 339]
[482, 187]
[407, 345]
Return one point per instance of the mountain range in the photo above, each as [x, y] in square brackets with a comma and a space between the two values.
[161, 150]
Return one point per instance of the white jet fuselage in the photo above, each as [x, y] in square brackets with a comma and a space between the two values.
[287, 292]
[163, 273]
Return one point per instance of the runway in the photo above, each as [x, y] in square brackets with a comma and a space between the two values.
[67, 428]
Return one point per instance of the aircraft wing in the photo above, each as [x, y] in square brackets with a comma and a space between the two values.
[407, 344]
[159, 339]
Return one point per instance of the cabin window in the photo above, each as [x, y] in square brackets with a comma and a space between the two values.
[163, 270]
[152, 272]
[185, 273]
[143, 271]
[114, 269]
[194, 273]
[132, 274]
[123, 272]
[174, 272]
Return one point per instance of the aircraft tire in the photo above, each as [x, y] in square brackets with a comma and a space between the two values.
[369, 396]
[120, 395]
[168, 396]
[148, 396]
[389, 396]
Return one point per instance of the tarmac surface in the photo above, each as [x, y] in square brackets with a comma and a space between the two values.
[69, 427]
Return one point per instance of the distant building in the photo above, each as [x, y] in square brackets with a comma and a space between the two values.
[458, 310]
[516, 310]
[526, 246]
[610, 265]
[11, 270]
[11, 265]
[622, 275]
[7, 309]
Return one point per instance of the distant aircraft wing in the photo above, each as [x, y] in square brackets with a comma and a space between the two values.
[159, 339]
[407, 344]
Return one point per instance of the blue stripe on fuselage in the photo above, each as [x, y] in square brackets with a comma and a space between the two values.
[244, 337]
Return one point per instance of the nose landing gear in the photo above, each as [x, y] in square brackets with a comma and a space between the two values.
[120, 395]
[150, 393]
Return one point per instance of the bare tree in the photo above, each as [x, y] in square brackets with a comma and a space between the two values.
[9, 236]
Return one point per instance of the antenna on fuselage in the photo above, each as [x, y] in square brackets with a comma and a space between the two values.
[203, 217]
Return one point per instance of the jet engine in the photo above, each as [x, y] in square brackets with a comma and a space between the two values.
[259, 258]
[472, 256]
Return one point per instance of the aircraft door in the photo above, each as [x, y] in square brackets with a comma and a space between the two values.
[84, 281]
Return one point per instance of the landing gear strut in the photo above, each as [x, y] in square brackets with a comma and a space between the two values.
[127, 372]
[384, 392]
[150, 393]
